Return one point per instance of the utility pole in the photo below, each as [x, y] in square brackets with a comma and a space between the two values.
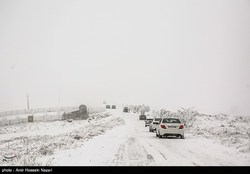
[28, 106]
[59, 97]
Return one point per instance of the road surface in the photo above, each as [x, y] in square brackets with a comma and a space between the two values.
[133, 145]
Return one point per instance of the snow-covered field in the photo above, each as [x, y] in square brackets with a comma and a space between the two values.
[225, 129]
[28, 142]
[115, 138]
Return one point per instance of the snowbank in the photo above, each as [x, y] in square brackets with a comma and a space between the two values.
[232, 131]
[228, 130]
[28, 142]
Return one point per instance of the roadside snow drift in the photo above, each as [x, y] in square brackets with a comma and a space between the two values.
[23, 144]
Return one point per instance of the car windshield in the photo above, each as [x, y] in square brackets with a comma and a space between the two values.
[157, 119]
[171, 120]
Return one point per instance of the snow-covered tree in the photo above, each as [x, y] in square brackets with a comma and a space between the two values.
[155, 113]
[248, 134]
[135, 108]
[144, 109]
[188, 116]
[163, 112]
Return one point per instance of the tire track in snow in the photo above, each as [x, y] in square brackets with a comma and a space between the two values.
[163, 156]
[132, 153]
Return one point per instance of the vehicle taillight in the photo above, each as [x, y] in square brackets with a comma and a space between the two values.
[181, 127]
[163, 126]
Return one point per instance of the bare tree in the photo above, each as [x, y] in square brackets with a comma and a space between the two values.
[188, 116]
[144, 109]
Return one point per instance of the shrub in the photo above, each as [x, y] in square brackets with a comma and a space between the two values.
[188, 116]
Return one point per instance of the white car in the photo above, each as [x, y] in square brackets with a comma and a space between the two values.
[154, 124]
[148, 121]
[170, 127]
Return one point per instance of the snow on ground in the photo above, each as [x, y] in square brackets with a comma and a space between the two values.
[133, 145]
[123, 140]
[29, 141]
[228, 130]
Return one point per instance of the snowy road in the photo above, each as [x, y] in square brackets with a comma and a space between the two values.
[133, 145]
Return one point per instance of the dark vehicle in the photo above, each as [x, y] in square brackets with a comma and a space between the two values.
[113, 107]
[107, 106]
[142, 117]
[126, 109]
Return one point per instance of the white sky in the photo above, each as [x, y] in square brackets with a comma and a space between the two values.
[164, 53]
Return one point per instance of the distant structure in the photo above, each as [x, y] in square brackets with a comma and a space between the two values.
[28, 104]
[81, 114]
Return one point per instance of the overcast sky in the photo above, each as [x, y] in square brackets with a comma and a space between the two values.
[164, 53]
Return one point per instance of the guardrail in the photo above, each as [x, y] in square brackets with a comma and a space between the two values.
[37, 110]
[40, 114]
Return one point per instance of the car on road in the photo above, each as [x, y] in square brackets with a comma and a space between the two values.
[125, 109]
[148, 121]
[142, 117]
[107, 106]
[170, 127]
[113, 107]
[154, 124]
